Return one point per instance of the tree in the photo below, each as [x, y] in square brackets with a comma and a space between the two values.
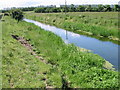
[88, 8]
[100, 8]
[72, 8]
[6, 14]
[17, 14]
[94, 9]
[116, 7]
[48, 10]
[64, 9]
[54, 10]
[40, 10]
[27, 8]
[107, 8]
[81, 8]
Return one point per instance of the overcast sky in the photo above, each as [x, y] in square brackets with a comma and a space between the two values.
[28, 3]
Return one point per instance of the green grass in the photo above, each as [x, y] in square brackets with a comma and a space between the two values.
[98, 24]
[66, 63]
[0, 55]
[20, 68]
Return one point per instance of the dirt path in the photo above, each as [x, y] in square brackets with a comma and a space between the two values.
[26, 44]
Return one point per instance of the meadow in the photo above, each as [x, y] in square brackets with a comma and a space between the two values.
[99, 24]
[67, 66]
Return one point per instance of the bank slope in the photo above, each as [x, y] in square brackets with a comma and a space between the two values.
[67, 66]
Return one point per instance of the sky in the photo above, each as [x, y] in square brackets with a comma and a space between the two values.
[29, 3]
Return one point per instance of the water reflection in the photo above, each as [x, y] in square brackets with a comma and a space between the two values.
[106, 49]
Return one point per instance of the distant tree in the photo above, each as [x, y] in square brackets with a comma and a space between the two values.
[3, 11]
[40, 10]
[54, 10]
[61, 9]
[94, 9]
[88, 8]
[72, 8]
[17, 14]
[116, 8]
[58, 9]
[6, 14]
[65, 9]
[107, 8]
[81, 8]
[100, 8]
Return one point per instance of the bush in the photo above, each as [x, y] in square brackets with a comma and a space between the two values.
[6, 14]
[17, 14]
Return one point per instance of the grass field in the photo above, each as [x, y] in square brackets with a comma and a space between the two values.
[66, 66]
[100, 24]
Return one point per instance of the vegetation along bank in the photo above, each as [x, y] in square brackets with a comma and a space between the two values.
[98, 24]
[64, 65]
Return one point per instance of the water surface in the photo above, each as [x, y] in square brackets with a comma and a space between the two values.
[105, 49]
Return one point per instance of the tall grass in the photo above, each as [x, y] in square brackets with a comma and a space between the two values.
[98, 24]
[0, 55]
[20, 69]
[69, 65]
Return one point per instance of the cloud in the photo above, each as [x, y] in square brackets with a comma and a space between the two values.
[18, 3]
[26, 3]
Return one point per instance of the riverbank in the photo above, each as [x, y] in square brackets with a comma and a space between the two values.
[99, 47]
[66, 64]
[98, 24]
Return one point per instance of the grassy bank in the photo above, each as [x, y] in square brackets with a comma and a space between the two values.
[66, 66]
[100, 24]
[20, 68]
[0, 55]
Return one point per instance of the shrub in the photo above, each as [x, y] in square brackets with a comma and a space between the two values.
[17, 14]
[6, 14]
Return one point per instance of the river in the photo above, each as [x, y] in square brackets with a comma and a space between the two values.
[105, 49]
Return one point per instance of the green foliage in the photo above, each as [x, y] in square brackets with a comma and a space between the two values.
[39, 10]
[70, 8]
[116, 8]
[98, 24]
[80, 8]
[27, 8]
[17, 14]
[47, 10]
[22, 70]
[6, 14]
[95, 78]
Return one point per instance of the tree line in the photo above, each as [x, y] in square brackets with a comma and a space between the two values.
[22, 9]
[80, 8]
[71, 8]
[16, 14]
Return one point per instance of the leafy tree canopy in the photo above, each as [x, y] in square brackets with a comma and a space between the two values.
[17, 14]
